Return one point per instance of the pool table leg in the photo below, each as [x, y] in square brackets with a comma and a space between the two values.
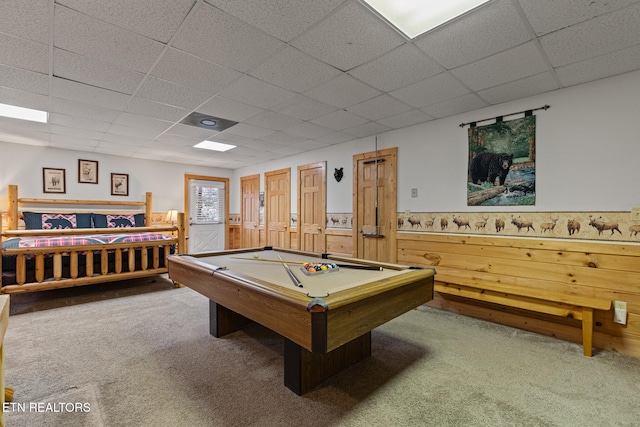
[304, 370]
[223, 321]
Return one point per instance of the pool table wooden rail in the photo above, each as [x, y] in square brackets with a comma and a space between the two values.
[287, 311]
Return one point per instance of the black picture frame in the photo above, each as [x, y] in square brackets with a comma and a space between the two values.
[87, 171]
[119, 184]
[54, 180]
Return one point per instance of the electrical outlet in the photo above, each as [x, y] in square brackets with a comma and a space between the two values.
[635, 214]
[414, 192]
[407, 212]
[620, 312]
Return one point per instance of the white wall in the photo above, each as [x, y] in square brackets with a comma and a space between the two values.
[22, 165]
[588, 159]
[588, 154]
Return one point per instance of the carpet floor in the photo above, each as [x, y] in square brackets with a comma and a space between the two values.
[139, 353]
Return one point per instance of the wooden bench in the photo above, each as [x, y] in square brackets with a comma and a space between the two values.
[555, 287]
[497, 289]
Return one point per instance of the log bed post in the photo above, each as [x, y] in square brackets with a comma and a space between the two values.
[148, 211]
[12, 208]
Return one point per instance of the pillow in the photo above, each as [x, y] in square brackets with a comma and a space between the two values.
[32, 220]
[103, 221]
[118, 221]
[48, 221]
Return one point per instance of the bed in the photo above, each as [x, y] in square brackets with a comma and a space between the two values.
[66, 243]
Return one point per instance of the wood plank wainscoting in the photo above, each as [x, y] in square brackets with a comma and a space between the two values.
[593, 269]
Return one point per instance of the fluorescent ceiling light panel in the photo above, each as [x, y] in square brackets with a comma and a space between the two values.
[23, 113]
[215, 146]
[415, 17]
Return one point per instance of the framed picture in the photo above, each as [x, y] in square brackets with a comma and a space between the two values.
[54, 180]
[119, 184]
[87, 171]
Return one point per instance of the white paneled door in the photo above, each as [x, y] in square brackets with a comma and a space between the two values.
[206, 216]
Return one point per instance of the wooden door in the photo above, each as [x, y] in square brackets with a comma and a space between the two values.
[277, 210]
[250, 211]
[312, 207]
[374, 205]
[207, 209]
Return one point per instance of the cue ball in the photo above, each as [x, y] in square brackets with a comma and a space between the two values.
[256, 256]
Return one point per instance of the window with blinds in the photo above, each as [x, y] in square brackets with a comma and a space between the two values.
[207, 202]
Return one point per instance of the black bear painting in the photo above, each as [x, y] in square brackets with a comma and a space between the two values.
[501, 168]
[486, 167]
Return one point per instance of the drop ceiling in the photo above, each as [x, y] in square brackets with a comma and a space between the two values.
[119, 76]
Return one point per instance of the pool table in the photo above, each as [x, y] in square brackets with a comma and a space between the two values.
[326, 319]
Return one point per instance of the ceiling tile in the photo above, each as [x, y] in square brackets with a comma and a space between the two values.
[172, 94]
[308, 130]
[282, 138]
[379, 107]
[188, 70]
[156, 110]
[342, 92]
[249, 131]
[340, 137]
[26, 18]
[91, 37]
[523, 88]
[75, 132]
[340, 120]
[351, 36]
[219, 37]
[284, 19]
[546, 16]
[455, 106]
[21, 53]
[603, 66]
[135, 131]
[83, 93]
[114, 148]
[129, 140]
[608, 33]
[80, 109]
[70, 66]
[273, 120]
[229, 109]
[252, 91]
[431, 91]
[294, 70]
[519, 62]
[72, 142]
[367, 129]
[78, 122]
[398, 68]
[191, 132]
[305, 108]
[24, 99]
[139, 16]
[492, 28]
[28, 81]
[409, 118]
[143, 122]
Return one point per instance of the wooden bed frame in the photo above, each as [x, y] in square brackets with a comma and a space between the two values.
[92, 254]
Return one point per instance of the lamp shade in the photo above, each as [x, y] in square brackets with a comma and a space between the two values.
[172, 216]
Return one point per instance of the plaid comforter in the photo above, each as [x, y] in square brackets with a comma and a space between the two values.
[91, 239]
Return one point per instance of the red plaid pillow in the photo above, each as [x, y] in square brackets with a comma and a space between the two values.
[51, 221]
[120, 221]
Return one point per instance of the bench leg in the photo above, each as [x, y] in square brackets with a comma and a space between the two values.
[587, 330]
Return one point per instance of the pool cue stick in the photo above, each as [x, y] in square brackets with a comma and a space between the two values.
[353, 266]
[293, 277]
